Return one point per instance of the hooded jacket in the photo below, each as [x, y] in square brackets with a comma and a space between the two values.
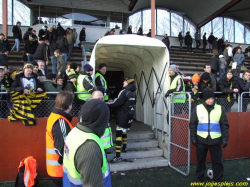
[125, 106]
[62, 44]
[225, 84]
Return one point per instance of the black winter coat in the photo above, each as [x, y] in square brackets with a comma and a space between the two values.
[4, 45]
[26, 36]
[208, 141]
[244, 86]
[41, 53]
[125, 106]
[60, 31]
[82, 36]
[204, 40]
[17, 85]
[225, 84]
[188, 40]
[214, 61]
[62, 44]
[17, 32]
[210, 39]
[30, 47]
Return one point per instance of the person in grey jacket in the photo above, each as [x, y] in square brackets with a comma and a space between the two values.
[61, 64]
[198, 39]
[239, 57]
[223, 65]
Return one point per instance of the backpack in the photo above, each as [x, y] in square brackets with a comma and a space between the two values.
[27, 173]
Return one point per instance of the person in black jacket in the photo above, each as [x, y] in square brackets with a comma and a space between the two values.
[204, 42]
[139, 32]
[42, 52]
[228, 85]
[60, 30]
[27, 82]
[4, 50]
[210, 40]
[43, 32]
[166, 41]
[180, 38]
[129, 29]
[244, 86]
[17, 33]
[63, 45]
[125, 105]
[189, 42]
[26, 35]
[206, 135]
[30, 48]
[82, 36]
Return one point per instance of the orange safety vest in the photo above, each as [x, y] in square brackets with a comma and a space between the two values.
[30, 171]
[54, 169]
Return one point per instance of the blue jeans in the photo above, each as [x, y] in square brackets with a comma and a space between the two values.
[181, 42]
[222, 71]
[30, 58]
[210, 48]
[71, 46]
[65, 56]
[54, 61]
[17, 45]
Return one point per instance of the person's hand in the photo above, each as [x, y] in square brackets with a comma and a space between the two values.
[195, 143]
[59, 73]
[110, 100]
[47, 63]
[6, 53]
[196, 87]
[26, 91]
[235, 90]
[39, 89]
[167, 94]
[224, 144]
[27, 54]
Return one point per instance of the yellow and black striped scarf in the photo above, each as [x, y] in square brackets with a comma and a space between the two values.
[23, 106]
[229, 95]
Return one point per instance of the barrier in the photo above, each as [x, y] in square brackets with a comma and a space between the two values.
[245, 100]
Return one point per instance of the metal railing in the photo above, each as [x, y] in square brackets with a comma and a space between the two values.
[244, 101]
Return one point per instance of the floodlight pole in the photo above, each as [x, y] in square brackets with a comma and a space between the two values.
[153, 18]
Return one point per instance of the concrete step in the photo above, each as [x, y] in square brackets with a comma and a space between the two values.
[138, 153]
[138, 135]
[141, 163]
[136, 144]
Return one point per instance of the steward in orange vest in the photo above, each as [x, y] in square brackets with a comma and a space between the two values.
[58, 127]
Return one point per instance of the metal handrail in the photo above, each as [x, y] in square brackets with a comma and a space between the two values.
[241, 100]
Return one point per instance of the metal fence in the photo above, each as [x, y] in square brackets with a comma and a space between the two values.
[179, 141]
[244, 102]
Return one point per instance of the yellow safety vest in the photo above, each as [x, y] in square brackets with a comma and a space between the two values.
[179, 98]
[80, 88]
[105, 84]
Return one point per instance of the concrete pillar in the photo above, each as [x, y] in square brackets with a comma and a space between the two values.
[5, 18]
[153, 18]
[108, 20]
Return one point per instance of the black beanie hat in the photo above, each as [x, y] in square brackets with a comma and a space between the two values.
[50, 76]
[207, 93]
[34, 63]
[205, 76]
[73, 66]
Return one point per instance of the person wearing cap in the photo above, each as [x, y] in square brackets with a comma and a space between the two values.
[58, 128]
[192, 86]
[212, 78]
[125, 107]
[209, 130]
[228, 85]
[50, 85]
[17, 33]
[30, 48]
[223, 65]
[4, 50]
[85, 83]
[61, 64]
[101, 81]
[244, 85]
[27, 82]
[176, 84]
[84, 160]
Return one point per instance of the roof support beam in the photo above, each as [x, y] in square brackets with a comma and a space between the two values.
[218, 12]
[132, 4]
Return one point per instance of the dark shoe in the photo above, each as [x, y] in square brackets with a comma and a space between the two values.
[124, 150]
[116, 159]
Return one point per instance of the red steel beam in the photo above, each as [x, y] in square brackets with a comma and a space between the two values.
[5, 18]
[153, 18]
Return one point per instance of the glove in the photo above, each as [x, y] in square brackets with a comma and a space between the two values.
[107, 91]
[167, 94]
[224, 144]
[195, 143]
[60, 160]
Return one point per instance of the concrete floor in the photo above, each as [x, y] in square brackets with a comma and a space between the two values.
[137, 126]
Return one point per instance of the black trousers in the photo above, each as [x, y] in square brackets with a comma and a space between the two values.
[58, 181]
[216, 155]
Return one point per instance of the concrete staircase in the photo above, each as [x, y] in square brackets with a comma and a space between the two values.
[143, 152]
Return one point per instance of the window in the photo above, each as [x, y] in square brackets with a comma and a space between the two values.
[176, 24]
[229, 29]
[206, 29]
[190, 28]
[135, 21]
[163, 22]
[218, 27]
[247, 36]
[239, 32]
[146, 21]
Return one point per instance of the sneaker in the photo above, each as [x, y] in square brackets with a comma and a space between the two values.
[124, 150]
[116, 159]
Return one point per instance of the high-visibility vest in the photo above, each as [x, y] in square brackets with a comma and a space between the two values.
[106, 138]
[75, 139]
[30, 172]
[105, 84]
[209, 126]
[54, 169]
[80, 88]
[179, 98]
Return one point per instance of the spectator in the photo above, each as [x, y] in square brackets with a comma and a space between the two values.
[239, 57]
[43, 32]
[4, 50]
[139, 32]
[101, 81]
[247, 51]
[71, 40]
[67, 68]
[214, 62]
[236, 49]
[27, 82]
[166, 41]
[59, 80]
[5, 82]
[188, 42]
[215, 47]
[61, 65]
[60, 30]
[209, 130]
[149, 33]
[58, 127]
[41, 75]
[42, 52]
[35, 68]
[212, 79]
[82, 36]
[86, 150]
[221, 45]
[228, 85]
[75, 34]
[205, 81]
[52, 48]
[226, 55]
[17, 33]
[30, 48]
[26, 35]
[63, 46]
[180, 37]
[125, 107]
[223, 65]
[129, 29]
[50, 85]
[67, 31]
[210, 40]
[244, 86]
[198, 39]
[204, 42]
[34, 32]
[230, 51]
